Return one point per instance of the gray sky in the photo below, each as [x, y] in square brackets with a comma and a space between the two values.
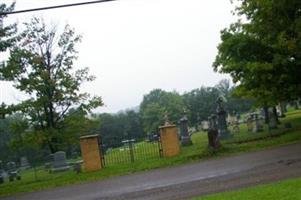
[134, 46]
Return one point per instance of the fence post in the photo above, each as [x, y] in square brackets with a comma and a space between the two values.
[131, 150]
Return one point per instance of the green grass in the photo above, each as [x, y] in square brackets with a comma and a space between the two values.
[34, 180]
[285, 190]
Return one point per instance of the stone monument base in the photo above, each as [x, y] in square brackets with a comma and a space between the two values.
[213, 140]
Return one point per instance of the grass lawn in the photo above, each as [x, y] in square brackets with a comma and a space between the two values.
[34, 180]
[284, 190]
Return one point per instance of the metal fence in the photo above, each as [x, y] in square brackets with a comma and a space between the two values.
[129, 151]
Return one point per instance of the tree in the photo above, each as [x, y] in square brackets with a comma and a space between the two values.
[262, 53]
[111, 129]
[6, 32]
[5, 138]
[134, 126]
[201, 102]
[75, 125]
[234, 103]
[18, 128]
[114, 128]
[6, 41]
[153, 117]
[158, 103]
[41, 65]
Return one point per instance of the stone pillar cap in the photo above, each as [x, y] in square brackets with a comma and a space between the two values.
[167, 126]
[89, 136]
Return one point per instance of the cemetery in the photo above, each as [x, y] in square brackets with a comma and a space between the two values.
[190, 128]
[204, 145]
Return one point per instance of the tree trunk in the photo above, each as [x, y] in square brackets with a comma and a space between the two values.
[52, 147]
[275, 114]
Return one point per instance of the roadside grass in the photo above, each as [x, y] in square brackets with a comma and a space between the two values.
[39, 179]
[288, 189]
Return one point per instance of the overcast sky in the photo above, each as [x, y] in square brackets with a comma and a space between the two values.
[134, 46]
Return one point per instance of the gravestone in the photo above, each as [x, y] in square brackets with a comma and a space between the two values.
[249, 123]
[1, 173]
[205, 125]
[24, 164]
[281, 109]
[232, 119]
[59, 162]
[185, 138]
[257, 127]
[13, 173]
[213, 138]
[221, 120]
[235, 124]
[273, 120]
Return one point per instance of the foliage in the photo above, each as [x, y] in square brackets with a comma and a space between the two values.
[201, 102]
[76, 124]
[5, 137]
[114, 128]
[41, 65]
[15, 142]
[158, 103]
[262, 52]
[6, 32]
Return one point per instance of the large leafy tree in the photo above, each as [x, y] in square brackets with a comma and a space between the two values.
[158, 103]
[200, 103]
[76, 123]
[41, 65]
[262, 52]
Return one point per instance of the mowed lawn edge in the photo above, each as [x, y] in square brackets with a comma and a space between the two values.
[287, 189]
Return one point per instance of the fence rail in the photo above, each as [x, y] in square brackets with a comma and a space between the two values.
[130, 150]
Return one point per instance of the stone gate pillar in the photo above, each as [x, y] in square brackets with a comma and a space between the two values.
[91, 152]
[169, 139]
